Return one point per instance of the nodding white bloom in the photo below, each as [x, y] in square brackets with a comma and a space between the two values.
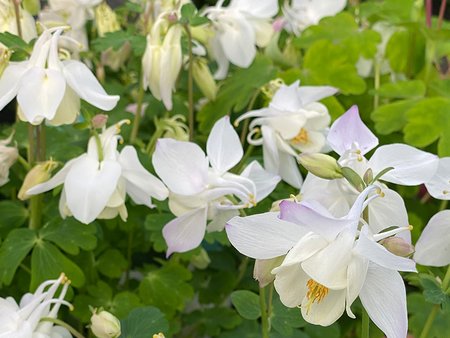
[293, 122]
[239, 28]
[351, 139]
[8, 156]
[329, 262]
[162, 59]
[77, 12]
[23, 320]
[439, 185]
[304, 13]
[433, 246]
[47, 88]
[97, 182]
[199, 184]
[8, 21]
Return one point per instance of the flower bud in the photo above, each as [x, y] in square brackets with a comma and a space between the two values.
[271, 88]
[398, 246]
[99, 121]
[105, 325]
[321, 165]
[262, 270]
[106, 19]
[203, 78]
[172, 127]
[38, 174]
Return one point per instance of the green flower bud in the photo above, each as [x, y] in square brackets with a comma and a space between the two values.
[321, 165]
[398, 246]
[105, 325]
[203, 78]
[38, 174]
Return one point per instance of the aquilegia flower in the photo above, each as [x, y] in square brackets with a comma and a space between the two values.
[199, 185]
[329, 262]
[239, 28]
[294, 122]
[97, 182]
[23, 320]
[48, 88]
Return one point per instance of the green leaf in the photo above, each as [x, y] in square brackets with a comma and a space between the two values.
[331, 64]
[70, 235]
[248, 329]
[14, 42]
[212, 321]
[391, 117]
[315, 331]
[154, 223]
[13, 214]
[112, 263]
[187, 12]
[48, 262]
[167, 288]
[236, 92]
[399, 45]
[284, 320]
[13, 250]
[123, 303]
[246, 304]
[117, 39]
[432, 290]
[144, 322]
[413, 89]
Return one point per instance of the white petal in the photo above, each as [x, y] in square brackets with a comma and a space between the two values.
[88, 187]
[290, 283]
[327, 311]
[224, 148]
[220, 219]
[263, 236]
[270, 150]
[186, 232]
[179, 204]
[265, 182]
[349, 129]
[320, 8]
[287, 98]
[310, 94]
[289, 170]
[384, 298]
[68, 109]
[259, 9]
[411, 166]
[433, 246]
[9, 82]
[263, 30]
[378, 254]
[182, 166]
[40, 94]
[139, 179]
[439, 185]
[356, 276]
[84, 83]
[221, 59]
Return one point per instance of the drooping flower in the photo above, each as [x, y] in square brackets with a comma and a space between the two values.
[8, 156]
[304, 13]
[162, 59]
[23, 320]
[293, 122]
[48, 88]
[433, 246]
[97, 182]
[199, 185]
[329, 262]
[239, 28]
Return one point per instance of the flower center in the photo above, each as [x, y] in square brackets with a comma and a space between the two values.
[301, 137]
[316, 293]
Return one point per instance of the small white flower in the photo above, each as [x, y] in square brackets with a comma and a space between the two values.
[47, 88]
[199, 184]
[96, 183]
[23, 320]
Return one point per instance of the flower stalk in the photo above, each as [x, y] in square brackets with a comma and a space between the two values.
[264, 317]
[137, 116]
[59, 322]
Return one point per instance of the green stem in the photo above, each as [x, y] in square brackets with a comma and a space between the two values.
[98, 142]
[443, 205]
[365, 324]
[446, 281]
[376, 98]
[16, 5]
[429, 322]
[244, 159]
[63, 324]
[264, 317]
[36, 153]
[152, 143]
[269, 305]
[24, 163]
[137, 116]
[191, 117]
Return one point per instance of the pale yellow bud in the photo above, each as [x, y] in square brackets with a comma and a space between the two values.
[321, 165]
[203, 78]
[38, 174]
[398, 246]
[106, 19]
[262, 270]
[99, 121]
[159, 335]
[201, 260]
[271, 88]
[105, 325]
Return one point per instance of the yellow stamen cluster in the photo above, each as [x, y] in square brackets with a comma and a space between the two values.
[301, 137]
[316, 293]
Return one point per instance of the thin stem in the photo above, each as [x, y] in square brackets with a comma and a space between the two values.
[365, 324]
[244, 159]
[242, 269]
[441, 13]
[264, 317]
[269, 305]
[152, 143]
[428, 11]
[23, 162]
[137, 116]
[443, 205]
[429, 322]
[63, 324]
[376, 83]
[98, 143]
[446, 281]
[36, 153]
[191, 117]
[16, 5]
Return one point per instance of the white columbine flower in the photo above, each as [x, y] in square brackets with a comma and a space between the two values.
[304, 13]
[47, 88]
[329, 262]
[239, 28]
[97, 182]
[162, 59]
[23, 320]
[293, 122]
[8, 155]
[433, 246]
[351, 140]
[199, 185]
